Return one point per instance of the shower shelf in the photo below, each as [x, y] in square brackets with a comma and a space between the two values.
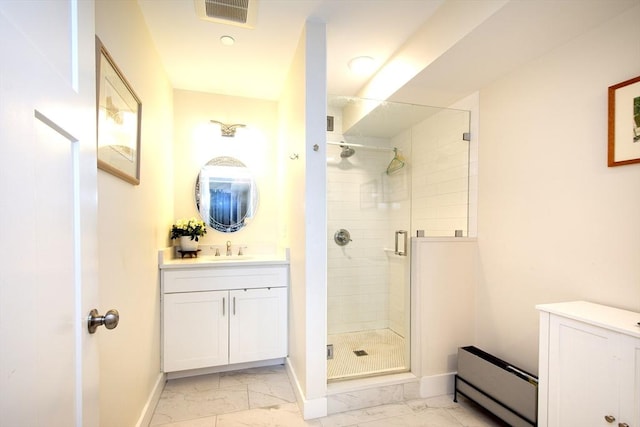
[392, 252]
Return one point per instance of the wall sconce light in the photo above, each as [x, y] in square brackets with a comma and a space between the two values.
[228, 130]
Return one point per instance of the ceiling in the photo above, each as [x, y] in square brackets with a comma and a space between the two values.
[455, 46]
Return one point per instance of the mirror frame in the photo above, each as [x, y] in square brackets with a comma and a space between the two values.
[244, 196]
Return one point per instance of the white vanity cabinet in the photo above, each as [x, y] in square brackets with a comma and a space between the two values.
[214, 316]
[589, 366]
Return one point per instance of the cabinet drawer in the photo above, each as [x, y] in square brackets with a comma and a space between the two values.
[212, 279]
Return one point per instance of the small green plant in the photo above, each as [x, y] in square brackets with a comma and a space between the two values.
[192, 227]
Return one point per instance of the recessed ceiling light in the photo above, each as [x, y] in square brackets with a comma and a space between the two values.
[362, 65]
[227, 40]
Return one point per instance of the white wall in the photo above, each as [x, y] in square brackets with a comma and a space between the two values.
[132, 224]
[302, 112]
[197, 141]
[554, 222]
[443, 282]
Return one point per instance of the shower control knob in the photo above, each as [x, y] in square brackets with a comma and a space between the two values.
[109, 320]
[342, 237]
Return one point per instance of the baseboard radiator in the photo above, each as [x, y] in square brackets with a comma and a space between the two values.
[506, 391]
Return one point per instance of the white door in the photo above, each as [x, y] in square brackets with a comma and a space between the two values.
[48, 360]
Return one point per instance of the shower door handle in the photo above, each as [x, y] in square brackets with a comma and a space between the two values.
[405, 236]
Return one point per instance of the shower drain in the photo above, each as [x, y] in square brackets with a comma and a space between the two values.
[360, 353]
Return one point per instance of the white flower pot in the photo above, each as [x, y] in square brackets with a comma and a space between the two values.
[188, 245]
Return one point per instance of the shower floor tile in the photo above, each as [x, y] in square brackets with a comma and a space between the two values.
[384, 354]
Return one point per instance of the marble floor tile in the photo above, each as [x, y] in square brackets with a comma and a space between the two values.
[264, 397]
[287, 415]
[253, 375]
[469, 415]
[352, 418]
[194, 384]
[432, 417]
[271, 393]
[179, 406]
[196, 422]
[364, 398]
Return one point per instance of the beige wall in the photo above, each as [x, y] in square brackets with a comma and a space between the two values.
[197, 141]
[554, 222]
[132, 225]
[292, 181]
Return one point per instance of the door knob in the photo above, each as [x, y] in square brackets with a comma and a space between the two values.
[109, 320]
[609, 418]
[342, 237]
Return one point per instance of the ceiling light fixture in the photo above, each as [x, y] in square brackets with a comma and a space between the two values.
[227, 40]
[362, 65]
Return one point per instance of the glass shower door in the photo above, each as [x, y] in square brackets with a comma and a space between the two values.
[394, 171]
[368, 279]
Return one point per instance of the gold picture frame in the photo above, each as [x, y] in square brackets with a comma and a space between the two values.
[119, 114]
[624, 123]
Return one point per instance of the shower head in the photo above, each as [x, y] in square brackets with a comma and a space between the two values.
[347, 151]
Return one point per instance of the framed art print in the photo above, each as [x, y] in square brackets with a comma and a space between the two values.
[624, 123]
[119, 116]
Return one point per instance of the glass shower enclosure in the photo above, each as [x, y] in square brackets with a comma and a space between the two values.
[394, 171]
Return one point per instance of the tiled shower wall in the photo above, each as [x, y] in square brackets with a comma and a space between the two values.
[440, 174]
[358, 296]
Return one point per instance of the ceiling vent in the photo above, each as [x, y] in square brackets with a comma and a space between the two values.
[242, 13]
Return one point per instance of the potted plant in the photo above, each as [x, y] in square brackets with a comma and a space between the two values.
[189, 232]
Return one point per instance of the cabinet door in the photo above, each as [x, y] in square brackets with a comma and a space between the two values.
[195, 330]
[258, 324]
[630, 381]
[583, 374]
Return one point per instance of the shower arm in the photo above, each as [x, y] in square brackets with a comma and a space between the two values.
[370, 147]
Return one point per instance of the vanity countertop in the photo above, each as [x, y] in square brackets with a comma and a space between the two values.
[166, 261]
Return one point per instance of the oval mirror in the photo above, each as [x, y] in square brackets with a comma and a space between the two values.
[226, 194]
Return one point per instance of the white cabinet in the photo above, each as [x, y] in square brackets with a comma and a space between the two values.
[195, 330]
[589, 366]
[223, 315]
[257, 324]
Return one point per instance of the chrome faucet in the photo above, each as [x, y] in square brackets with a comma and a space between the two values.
[228, 247]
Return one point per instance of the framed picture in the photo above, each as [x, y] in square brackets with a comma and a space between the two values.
[119, 115]
[624, 123]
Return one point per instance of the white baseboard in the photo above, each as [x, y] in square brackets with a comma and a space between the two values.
[152, 401]
[437, 385]
[314, 408]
